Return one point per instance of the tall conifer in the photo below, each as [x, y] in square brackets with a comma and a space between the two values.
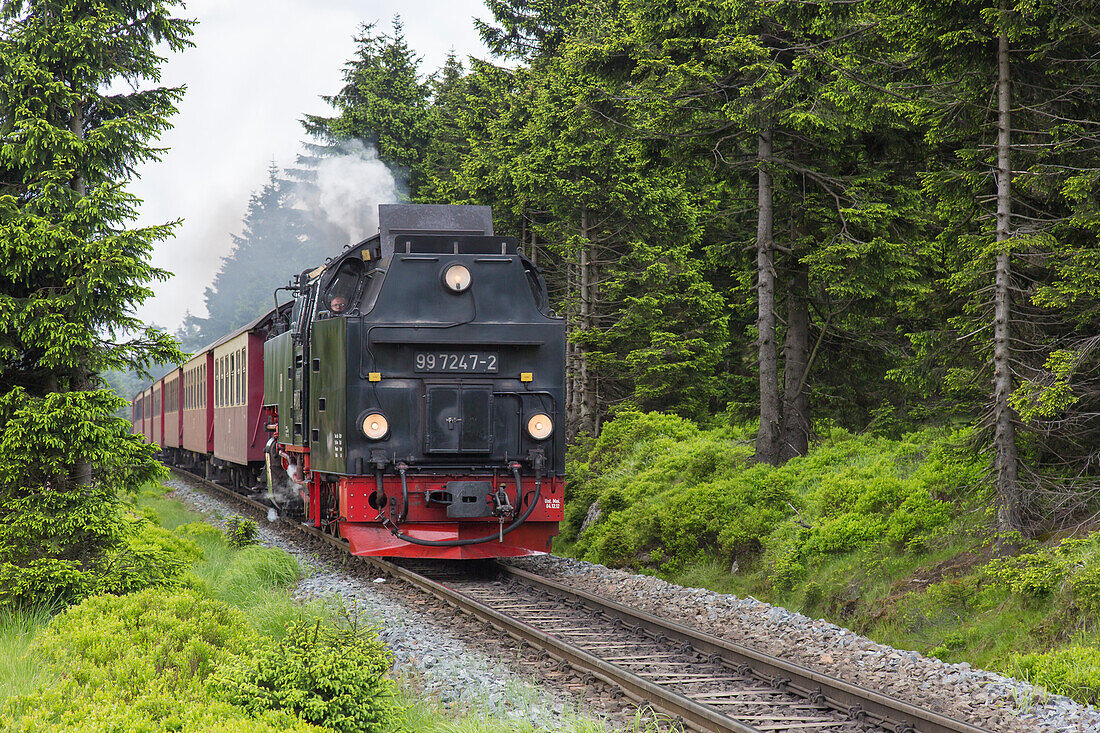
[73, 271]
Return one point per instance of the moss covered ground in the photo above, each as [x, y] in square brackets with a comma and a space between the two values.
[892, 537]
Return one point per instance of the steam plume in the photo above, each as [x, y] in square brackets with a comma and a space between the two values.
[348, 188]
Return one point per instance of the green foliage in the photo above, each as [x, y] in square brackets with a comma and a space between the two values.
[148, 556]
[71, 277]
[1086, 588]
[678, 495]
[140, 662]
[1033, 400]
[53, 534]
[1072, 564]
[241, 531]
[383, 104]
[1072, 670]
[332, 677]
[1031, 575]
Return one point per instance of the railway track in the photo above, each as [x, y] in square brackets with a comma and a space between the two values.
[707, 683]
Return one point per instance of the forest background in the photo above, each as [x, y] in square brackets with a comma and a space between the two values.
[879, 215]
[773, 226]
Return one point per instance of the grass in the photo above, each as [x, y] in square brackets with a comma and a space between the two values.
[19, 671]
[255, 579]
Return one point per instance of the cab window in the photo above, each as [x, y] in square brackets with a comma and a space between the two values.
[340, 294]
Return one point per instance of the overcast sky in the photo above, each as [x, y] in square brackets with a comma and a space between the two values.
[257, 67]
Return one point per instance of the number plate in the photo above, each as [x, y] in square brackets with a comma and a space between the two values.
[476, 362]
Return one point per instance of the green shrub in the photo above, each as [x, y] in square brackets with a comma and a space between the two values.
[1086, 588]
[1033, 575]
[55, 535]
[333, 677]
[631, 428]
[135, 641]
[148, 556]
[1072, 670]
[140, 662]
[845, 532]
[202, 533]
[615, 546]
[241, 531]
[695, 495]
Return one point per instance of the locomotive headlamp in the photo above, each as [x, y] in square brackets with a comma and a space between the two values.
[375, 426]
[539, 426]
[456, 278]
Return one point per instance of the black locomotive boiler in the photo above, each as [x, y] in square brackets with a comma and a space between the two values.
[415, 392]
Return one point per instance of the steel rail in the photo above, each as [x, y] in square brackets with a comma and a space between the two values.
[840, 695]
[851, 700]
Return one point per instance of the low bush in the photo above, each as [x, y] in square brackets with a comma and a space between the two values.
[142, 555]
[1086, 588]
[669, 489]
[241, 531]
[149, 556]
[332, 677]
[140, 662]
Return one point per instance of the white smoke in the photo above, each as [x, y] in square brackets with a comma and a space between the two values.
[348, 189]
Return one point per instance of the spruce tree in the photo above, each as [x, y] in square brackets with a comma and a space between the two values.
[756, 101]
[383, 104]
[74, 270]
[527, 29]
[1007, 95]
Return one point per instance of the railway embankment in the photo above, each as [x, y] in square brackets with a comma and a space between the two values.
[979, 697]
[889, 537]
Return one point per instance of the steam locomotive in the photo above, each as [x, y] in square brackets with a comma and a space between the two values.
[409, 398]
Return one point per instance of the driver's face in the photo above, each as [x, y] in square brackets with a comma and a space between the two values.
[338, 304]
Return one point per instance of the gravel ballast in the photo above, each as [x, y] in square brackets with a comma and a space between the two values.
[976, 696]
[426, 654]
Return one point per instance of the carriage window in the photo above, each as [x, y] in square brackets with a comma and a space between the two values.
[341, 290]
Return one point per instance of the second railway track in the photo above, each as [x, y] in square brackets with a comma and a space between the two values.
[707, 683]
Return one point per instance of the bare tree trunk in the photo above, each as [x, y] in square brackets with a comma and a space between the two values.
[767, 437]
[796, 420]
[587, 373]
[572, 406]
[1004, 435]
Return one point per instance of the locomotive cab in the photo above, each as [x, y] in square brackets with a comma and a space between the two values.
[419, 391]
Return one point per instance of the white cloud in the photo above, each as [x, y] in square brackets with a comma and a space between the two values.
[256, 70]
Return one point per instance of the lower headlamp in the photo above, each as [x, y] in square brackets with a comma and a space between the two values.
[540, 426]
[375, 426]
